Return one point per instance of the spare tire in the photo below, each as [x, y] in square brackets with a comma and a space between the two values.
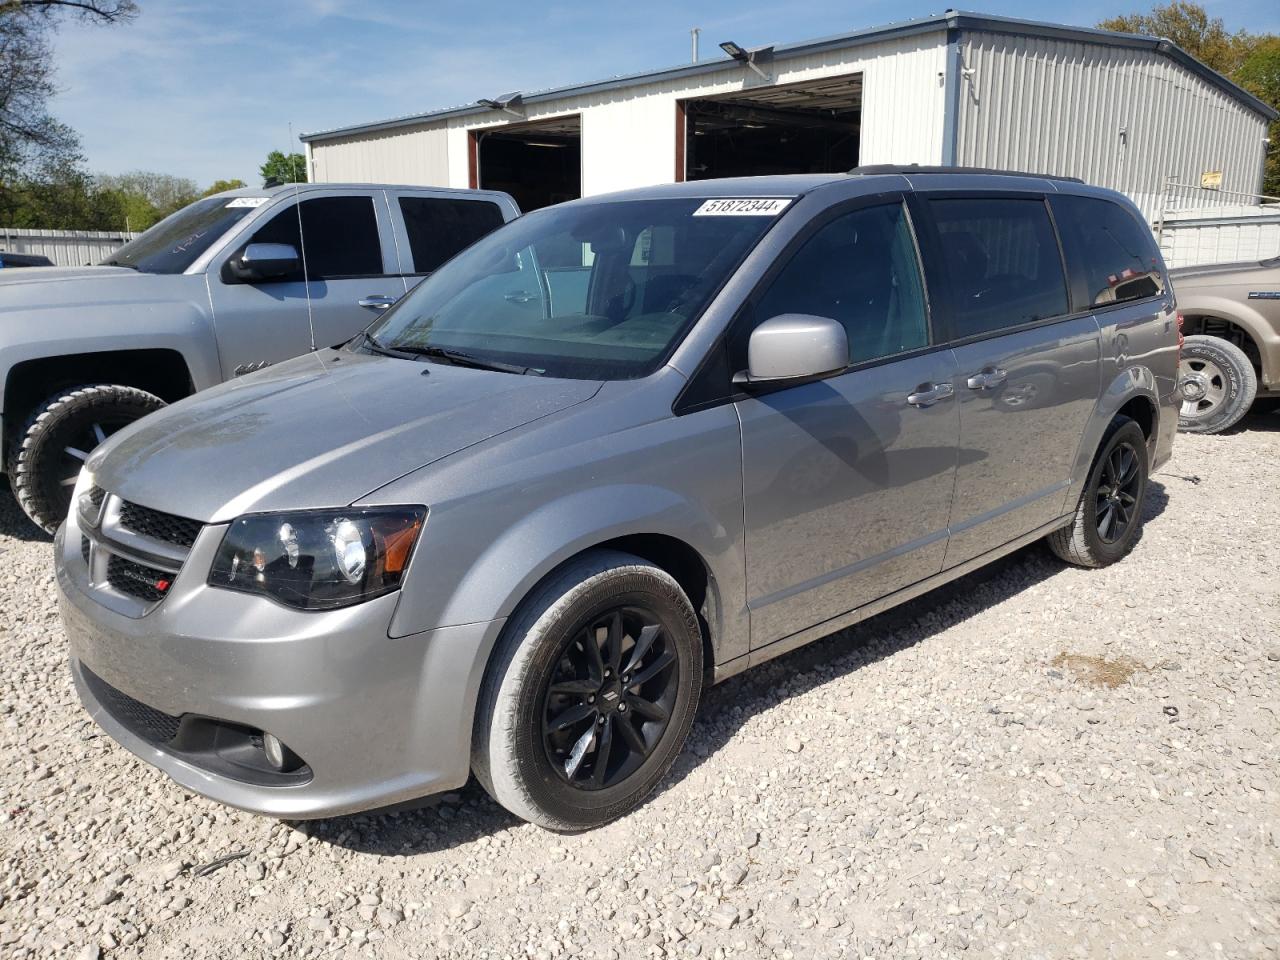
[1216, 383]
[58, 438]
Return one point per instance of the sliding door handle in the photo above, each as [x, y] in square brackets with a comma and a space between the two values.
[988, 378]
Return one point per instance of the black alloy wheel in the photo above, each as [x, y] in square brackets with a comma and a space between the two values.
[1118, 490]
[610, 698]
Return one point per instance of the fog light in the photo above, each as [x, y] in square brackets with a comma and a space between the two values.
[275, 750]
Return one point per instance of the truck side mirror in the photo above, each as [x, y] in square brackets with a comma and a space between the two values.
[260, 262]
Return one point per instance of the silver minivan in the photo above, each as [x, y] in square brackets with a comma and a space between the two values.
[619, 449]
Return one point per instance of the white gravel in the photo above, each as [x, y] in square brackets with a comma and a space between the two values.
[969, 776]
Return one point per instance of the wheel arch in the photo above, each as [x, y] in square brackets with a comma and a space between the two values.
[1242, 327]
[1133, 393]
[161, 371]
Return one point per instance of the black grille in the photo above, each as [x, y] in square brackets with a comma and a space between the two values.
[135, 579]
[84, 548]
[97, 495]
[151, 724]
[157, 525]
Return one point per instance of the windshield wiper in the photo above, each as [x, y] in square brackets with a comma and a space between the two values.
[117, 263]
[377, 346]
[460, 359]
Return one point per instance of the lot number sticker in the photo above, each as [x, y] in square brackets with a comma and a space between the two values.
[248, 201]
[743, 207]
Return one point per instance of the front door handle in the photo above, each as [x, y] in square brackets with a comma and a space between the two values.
[377, 301]
[988, 378]
[927, 394]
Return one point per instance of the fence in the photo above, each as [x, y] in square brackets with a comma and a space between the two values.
[1193, 228]
[66, 248]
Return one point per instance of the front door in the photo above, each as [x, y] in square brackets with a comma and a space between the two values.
[847, 481]
[344, 239]
[1028, 367]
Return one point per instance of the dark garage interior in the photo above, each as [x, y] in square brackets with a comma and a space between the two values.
[537, 163]
[800, 128]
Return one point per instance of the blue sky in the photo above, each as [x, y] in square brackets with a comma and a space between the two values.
[204, 88]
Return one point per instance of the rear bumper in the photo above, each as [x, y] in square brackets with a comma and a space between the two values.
[377, 720]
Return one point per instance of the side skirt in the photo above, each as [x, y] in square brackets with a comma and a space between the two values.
[729, 668]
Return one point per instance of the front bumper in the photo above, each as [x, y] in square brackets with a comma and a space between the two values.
[377, 720]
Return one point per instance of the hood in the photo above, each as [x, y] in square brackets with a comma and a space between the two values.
[318, 431]
[12, 275]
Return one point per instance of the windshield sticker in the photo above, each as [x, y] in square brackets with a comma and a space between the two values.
[248, 201]
[743, 207]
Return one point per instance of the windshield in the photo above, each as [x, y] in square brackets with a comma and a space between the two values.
[173, 244]
[598, 291]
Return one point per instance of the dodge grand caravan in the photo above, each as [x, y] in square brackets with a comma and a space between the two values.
[619, 449]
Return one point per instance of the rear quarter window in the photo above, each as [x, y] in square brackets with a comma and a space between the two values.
[1111, 255]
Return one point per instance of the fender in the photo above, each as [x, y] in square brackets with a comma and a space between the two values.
[512, 565]
[1244, 316]
[1134, 381]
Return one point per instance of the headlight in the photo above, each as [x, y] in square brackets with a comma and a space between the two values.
[318, 560]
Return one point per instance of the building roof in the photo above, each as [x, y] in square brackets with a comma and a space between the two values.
[950, 20]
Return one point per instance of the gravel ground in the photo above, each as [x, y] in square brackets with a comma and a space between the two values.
[1036, 762]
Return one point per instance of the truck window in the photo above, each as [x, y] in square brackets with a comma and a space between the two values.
[1003, 260]
[439, 227]
[341, 235]
[1113, 255]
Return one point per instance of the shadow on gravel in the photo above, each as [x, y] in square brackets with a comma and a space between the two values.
[469, 813]
[14, 523]
[1264, 417]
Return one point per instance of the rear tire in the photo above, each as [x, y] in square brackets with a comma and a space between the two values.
[1217, 385]
[1109, 514]
[568, 740]
[58, 438]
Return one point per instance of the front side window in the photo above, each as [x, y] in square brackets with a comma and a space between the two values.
[588, 291]
[1116, 255]
[341, 237]
[862, 270]
[1003, 261]
[175, 242]
[439, 227]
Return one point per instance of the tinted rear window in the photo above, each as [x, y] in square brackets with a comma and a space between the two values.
[1003, 261]
[438, 227]
[1112, 256]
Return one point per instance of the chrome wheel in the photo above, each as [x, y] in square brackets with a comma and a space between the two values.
[1203, 386]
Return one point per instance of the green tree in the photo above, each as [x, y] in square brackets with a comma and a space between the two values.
[1190, 27]
[34, 145]
[1260, 75]
[284, 169]
[219, 186]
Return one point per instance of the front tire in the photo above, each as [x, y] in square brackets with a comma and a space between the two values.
[590, 694]
[1109, 514]
[1217, 383]
[58, 438]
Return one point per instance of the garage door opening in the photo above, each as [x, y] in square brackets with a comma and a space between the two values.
[799, 128]
[537, 163]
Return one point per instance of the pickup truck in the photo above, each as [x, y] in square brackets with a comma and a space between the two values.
[230, 284]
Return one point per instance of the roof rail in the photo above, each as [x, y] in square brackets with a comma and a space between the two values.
[906, 168]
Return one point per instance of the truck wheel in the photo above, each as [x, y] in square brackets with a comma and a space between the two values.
[1217, 384]
[590, 694]
[56, 441]
[1109, 514]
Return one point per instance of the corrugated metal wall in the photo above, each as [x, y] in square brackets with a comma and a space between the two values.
[1229, 235]
[66, 248]
[416, 155]
[629, 133]
[1054, 106]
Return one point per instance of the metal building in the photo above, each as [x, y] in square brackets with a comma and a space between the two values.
[1118, 110]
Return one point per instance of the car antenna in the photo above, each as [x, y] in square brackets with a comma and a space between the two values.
[302, 239]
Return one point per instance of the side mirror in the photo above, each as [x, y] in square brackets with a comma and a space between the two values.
[262, 261]
[795, 346]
